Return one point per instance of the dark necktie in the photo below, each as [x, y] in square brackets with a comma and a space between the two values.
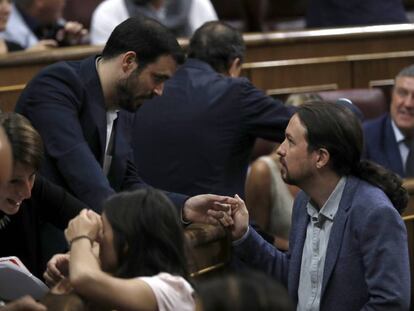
[110, 150]
[409, 164]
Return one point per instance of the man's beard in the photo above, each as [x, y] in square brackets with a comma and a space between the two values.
[126, 98]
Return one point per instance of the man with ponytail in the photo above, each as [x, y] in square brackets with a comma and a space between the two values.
[348, 243]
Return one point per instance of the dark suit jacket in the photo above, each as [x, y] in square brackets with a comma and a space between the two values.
[381, 146]
[366, 265]
[197, 137]
[65, 104]
[21, 237]
[331, 13]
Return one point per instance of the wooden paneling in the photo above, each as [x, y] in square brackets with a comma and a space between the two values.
[379, 66]
[408, 217]
[300, 73]
[20, 67]
[208, 249]
[9, 96]
[329, 42]
[348, 71]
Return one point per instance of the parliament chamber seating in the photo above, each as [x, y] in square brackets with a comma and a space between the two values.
[280, 63]
[408, 217]
[208, 249]
[372, 102]
[80, 11]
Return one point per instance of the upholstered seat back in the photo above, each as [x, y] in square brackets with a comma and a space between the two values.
[372, 102]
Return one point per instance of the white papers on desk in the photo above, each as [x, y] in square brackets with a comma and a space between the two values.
[16, 281]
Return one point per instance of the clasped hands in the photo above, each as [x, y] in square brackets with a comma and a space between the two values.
[214, 209]
[206, 208]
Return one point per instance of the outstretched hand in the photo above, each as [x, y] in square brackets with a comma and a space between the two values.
[196, 209]
[239, 220]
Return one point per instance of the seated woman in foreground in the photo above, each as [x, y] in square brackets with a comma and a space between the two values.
[141, 264]
[27, 199]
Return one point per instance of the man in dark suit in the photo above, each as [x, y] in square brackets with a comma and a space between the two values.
[83, 112]
[389, 139]
[348, 244]
[197, 137]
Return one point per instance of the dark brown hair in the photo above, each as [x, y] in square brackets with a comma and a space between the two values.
[26, 143]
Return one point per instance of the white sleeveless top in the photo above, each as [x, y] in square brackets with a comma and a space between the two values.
[281, 201]
[171, 291]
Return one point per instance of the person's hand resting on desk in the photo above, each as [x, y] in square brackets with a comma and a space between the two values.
[43, 45]
[72, 33]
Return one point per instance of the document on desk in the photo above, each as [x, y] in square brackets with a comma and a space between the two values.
[17, 281]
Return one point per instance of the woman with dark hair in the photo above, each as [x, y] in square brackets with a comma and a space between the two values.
[141, 263]
[27, 199]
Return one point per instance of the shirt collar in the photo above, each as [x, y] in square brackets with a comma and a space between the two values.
[399, 136]
[331, 206]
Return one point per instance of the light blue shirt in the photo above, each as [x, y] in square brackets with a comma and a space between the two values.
[314, 249]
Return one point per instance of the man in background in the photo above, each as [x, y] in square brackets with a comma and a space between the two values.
[182, 17]
[39, 23]
[198, 137]
[389, 140]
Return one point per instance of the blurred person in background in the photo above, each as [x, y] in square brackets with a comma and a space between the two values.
[39, 24]
[182, 17]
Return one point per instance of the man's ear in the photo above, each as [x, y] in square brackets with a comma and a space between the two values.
[129, 61]
[323, 158]
[235, 68]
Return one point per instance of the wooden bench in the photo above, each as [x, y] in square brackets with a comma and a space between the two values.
[328, 42]
[275, 61]
[209, 249]
[325, 73]
[408, 218]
